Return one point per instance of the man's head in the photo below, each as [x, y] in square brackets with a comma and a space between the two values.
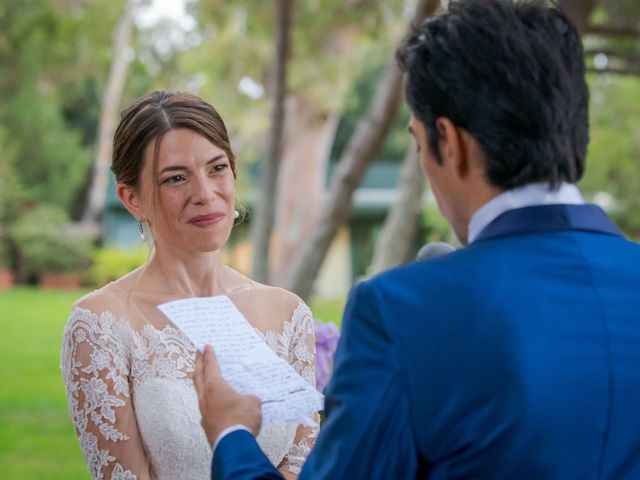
[508, 79]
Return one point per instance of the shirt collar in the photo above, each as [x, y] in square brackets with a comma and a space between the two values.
[525, 196]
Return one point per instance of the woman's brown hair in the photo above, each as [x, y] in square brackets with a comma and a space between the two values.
[150, 117]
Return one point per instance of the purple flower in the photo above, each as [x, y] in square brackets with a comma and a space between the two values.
[327, 336]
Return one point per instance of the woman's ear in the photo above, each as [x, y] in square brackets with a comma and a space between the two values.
[130, 198]
[452, 145]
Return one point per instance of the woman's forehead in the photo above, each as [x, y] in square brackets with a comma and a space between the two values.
[182, 145]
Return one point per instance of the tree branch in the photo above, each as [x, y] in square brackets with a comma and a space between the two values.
[615, 71]
[613, 31]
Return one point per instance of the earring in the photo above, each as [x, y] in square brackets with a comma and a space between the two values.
[236, 214]
[141, 229]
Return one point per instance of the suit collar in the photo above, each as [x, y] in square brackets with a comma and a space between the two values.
[525, 196]
[548, 218]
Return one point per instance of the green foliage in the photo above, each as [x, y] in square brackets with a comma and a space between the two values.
[52, 54]
[43, 242]
[434, 225]
[613, 160]
[11, 191]
[5, 257]
[358, 101]
[48, 156]
[332, 41]
[109, 264]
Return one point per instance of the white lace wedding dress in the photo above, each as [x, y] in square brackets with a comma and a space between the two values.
[134, 405]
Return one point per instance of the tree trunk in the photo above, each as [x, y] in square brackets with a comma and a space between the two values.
[398, 235]
[308, 136]
[579, 12]
[360, 151]
[97, 196]
[264, 210]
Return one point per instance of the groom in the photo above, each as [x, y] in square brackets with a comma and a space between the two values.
[518, 356]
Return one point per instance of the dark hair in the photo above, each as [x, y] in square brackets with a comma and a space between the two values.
[150, 117]
[512, 75]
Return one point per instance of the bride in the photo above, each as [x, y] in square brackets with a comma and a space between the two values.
[127, 371]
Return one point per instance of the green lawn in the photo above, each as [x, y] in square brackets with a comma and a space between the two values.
[36, 436]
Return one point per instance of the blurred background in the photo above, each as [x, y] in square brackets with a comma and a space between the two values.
[327, 177]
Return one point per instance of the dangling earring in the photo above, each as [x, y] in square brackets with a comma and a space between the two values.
[236, 214]
[141, 229]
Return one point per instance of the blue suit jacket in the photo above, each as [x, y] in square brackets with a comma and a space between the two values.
[517, 357]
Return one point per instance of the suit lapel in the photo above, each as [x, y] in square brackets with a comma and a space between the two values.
[547, 218]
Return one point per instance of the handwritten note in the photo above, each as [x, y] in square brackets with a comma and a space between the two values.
[246, 361]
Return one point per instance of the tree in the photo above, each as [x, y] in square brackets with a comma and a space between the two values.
[46, 60]
[334, 42]
[97, 195]
[265, 207]
[362, 148]
[401, 226]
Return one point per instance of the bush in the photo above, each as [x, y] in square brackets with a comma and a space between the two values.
[41, 236]
[5, 256]
[109, 264]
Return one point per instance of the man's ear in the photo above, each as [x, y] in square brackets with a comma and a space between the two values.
[452, 145]
[130, 198]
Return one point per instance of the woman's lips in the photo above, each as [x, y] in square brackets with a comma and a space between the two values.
[204, 221]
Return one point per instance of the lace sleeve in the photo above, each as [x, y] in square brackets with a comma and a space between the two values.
[302, 357]
[95, 369]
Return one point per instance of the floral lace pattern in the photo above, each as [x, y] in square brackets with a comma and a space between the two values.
[134, 406]
[297, 345]
[86, 380]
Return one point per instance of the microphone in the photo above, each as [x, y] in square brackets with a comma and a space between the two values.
[433, 250]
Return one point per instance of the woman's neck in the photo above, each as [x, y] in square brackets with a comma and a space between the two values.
[184, 273]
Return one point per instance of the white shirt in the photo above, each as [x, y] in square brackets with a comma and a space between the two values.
[525, 196]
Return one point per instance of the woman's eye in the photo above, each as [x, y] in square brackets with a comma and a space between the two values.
[220, 167]
[174, 179]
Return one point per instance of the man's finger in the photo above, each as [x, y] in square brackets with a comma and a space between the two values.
[211, 367]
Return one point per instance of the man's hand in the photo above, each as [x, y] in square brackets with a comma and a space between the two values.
[221, 405]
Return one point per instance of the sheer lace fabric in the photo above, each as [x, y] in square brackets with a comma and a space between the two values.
[133, 403]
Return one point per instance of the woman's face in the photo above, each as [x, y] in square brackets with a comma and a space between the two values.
[192, 208]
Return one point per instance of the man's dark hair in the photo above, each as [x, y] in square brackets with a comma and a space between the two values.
[512, 75]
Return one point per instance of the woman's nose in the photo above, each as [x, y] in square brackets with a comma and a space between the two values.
[204, 189]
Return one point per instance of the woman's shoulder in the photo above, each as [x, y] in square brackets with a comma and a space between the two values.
[267, 295]
[109, 302]
[278, 296]
[275, 303]
[100, 300]
[110, 297]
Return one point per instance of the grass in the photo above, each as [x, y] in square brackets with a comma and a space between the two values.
[328, 309]
[36, 436]
[37, 439]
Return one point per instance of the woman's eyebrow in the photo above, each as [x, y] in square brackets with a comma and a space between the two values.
[173, 168]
